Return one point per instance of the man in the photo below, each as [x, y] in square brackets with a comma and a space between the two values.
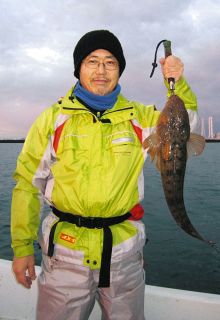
[84, 156]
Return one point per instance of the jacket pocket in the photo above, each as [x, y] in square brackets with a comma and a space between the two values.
[122, 140]
[73, 150]
[73, 141]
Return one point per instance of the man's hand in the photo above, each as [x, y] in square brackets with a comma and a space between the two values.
[172, 67]
[24, 270]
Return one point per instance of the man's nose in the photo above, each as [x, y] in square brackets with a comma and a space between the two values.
[101, 68]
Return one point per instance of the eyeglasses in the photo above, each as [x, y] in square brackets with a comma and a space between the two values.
[109, 64]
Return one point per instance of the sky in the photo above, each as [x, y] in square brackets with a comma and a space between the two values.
[38, 39]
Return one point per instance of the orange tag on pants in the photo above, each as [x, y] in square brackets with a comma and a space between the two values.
[67, 238]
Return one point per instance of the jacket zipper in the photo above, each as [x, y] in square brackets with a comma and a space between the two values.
[98, 115]
[67, 108]
[120, 110]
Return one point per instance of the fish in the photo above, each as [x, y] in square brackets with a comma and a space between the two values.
[169, 146]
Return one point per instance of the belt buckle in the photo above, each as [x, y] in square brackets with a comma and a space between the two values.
[95, 223]
[79, 222]
[99, 223]
[92, 224]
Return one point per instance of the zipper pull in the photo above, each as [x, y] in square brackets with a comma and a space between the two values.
[98, 115]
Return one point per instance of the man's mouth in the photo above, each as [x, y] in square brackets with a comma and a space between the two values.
[101, 81]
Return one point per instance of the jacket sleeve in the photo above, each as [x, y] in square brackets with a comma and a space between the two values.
[26, 197]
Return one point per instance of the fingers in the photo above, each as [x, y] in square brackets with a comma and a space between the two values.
[21, 278]
[172, 67]
[24, 270]
[162, 61]
[31, 272]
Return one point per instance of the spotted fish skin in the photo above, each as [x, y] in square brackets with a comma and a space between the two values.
[168, 148]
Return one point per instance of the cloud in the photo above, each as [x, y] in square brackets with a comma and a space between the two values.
[42, 54]
[38, 39]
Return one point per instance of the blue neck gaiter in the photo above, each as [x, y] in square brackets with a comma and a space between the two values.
[95, 101]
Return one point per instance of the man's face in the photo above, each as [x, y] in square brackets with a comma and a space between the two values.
[94, 76]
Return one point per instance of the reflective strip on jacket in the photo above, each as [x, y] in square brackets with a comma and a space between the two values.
[87, 166]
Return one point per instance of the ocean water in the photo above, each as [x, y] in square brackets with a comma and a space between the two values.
[172, 258]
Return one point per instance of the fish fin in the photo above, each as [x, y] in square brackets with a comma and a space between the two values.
[195, 144]
[151, 143]
[153, 153]
[157, 161]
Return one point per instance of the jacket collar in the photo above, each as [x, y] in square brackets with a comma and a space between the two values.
[121, 111]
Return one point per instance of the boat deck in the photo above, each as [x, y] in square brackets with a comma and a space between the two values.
[18, 303]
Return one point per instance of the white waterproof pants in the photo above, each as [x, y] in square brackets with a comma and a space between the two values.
[68, 292]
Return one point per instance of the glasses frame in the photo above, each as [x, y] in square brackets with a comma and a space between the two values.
[94, 63]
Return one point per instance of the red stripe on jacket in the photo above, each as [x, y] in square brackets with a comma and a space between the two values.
[57, 135]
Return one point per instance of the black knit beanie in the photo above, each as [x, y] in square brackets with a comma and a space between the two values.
[98, 39]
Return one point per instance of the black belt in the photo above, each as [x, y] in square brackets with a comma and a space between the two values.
[91, 223]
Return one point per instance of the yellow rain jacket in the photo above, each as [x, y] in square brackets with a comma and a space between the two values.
[86, 165]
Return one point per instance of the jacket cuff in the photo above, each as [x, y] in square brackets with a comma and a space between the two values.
[23, 251]
[179, 85]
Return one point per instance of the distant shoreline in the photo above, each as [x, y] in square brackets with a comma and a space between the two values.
[212, 140]
[22, 140]
[12, 140]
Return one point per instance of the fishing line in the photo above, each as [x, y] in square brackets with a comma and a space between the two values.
[154, 64]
